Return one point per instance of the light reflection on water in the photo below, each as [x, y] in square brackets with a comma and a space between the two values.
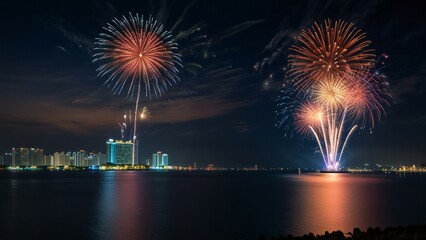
[182, 205]
[121, 207]
[335, 201]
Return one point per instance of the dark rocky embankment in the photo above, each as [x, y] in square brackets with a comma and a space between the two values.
[411, 232]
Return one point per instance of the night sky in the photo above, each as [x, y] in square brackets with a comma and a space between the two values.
[223, 114]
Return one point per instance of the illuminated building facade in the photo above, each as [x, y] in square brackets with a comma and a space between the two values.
[119, 152]
[20, 156]
[159, 159]
[35, 156]
[59, 159]
[79, 158]
[27, 157]
[7, 159]
[48, 160]
[165, 160]
[156, 160]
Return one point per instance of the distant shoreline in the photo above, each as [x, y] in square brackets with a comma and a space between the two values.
[119, 168]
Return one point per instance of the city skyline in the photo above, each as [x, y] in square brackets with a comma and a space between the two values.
[51, 98]
[81, 158]
[116, 152]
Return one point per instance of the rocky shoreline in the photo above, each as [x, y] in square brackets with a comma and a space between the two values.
[410, 232]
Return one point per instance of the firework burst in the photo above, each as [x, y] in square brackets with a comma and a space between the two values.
[308, 116]
[134, 52]
[331, 93]
[328, 50]
[145, 114]
[367, 97]
[332, 71]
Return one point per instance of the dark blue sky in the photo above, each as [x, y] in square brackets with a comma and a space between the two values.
[51, 98]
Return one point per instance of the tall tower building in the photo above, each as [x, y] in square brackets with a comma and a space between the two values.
[7, 159]
[159, 156]
[102, 158]
[89, 160]
[119, 152]
[98, 158]
[35, 156]
[15, 157]
[59, 159]
[79, 158]
[48, 160]
[165, 159]
[27, 157]
[159, 159]
[71, 158]
[153, 160]
[156, 160]
[20, 157]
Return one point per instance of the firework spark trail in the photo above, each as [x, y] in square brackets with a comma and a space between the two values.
[135, 52]
[319, 144]
[123, 123]
[127, 120]
[333, 66]
[330, 135]
[346, 140]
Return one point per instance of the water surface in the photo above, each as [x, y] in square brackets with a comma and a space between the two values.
[202, 205]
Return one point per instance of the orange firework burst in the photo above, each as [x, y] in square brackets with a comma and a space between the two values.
[331, 93]
[306, 116]
[135, 51]
[328, 50]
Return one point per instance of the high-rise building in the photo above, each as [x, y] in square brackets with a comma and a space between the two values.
[88, 160]
[20, 157]
[67, 160]
[159, 159]
[80, 158]
[98, 158]
[102, 158]
[27, 156]
[165, 160]
[153, 160]
[7, 159]
[71, 156]
[35, 156]
[59, 159]
[119, 152]
[48, 160]
[156, 160]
